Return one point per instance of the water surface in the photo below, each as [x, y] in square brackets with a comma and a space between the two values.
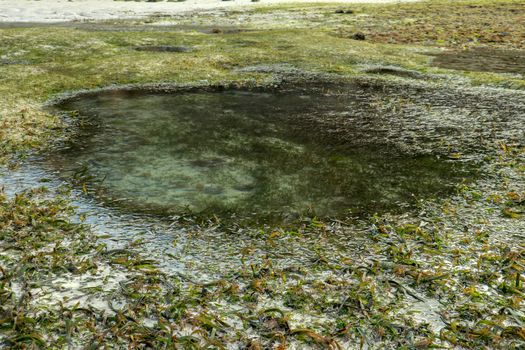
[240, 153]
[483, 60]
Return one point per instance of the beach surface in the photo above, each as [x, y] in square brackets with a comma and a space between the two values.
[50, 11]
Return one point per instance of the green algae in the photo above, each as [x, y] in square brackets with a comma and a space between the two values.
[458, 260]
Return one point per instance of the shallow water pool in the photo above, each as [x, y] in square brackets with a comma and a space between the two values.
[240, 153]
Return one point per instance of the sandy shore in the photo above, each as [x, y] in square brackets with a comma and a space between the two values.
[64, 10]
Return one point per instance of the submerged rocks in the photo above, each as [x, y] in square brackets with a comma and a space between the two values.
[163, 48]
[347, 12]
[358, 36]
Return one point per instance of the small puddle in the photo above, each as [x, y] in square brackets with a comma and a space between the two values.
[483, 60]
[249, 154]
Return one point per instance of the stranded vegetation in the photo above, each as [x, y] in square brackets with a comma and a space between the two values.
[447, 274]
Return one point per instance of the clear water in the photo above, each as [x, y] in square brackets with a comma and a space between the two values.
[238, 153]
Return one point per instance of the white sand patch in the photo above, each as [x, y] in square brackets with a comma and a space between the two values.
[75, 10]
